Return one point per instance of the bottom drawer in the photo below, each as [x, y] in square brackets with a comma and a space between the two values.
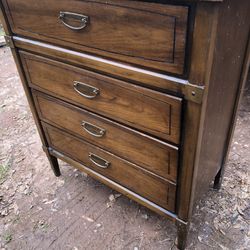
[119, 170]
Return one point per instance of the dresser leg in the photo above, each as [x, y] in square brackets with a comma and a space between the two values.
[182, 232]
[54, 165]
[218, 179]
[53, 162]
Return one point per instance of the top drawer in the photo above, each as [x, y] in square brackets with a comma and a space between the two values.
[146, 34]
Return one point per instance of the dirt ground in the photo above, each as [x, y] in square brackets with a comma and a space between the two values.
[40, 211]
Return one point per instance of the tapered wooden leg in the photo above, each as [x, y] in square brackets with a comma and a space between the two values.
[182, 233]
[54, 165]
[53, 162]
[218, 179]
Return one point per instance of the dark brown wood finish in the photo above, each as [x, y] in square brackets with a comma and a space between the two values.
[121, 171]
[193, 115]
[115, 69]
[224, 90]
[197, 113]
[220, 97]
[149, 111]
[243, 79]
[155, 155]
[150, 35]
[204, 34]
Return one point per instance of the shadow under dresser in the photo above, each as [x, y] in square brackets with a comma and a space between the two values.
[141, 95]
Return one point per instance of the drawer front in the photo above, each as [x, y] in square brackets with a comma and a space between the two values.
[121, 171]
[141, 108]
[153, 155]
[147, 34]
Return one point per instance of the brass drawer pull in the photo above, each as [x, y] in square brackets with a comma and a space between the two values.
[98, 161]
[86, 90]
[92, 129]
[63, 16]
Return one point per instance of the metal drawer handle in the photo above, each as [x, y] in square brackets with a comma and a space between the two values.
[92, 129]
[98, 161]
[63, 16]
[86, 90]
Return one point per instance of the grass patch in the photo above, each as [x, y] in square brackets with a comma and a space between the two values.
[42, 225]
[7, 238]
[16, 219]
[2, 33]
[3, 171]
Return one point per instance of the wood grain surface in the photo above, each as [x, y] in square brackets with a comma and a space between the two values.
[125, 173]
[149, 111]
[147, 34]
[154, 155]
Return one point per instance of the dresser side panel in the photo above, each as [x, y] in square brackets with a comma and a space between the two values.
[224, 90]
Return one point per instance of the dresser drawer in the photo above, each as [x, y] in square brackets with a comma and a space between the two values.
[152, 154]
[147, 34]
[149, 111]
[121, 171]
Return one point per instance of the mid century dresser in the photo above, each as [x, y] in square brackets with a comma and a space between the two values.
[141, 95]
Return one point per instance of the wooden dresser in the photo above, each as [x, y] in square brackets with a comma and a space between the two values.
[141, 95]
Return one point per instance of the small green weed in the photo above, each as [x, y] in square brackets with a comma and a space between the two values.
[3, 171]
[42, 225]
[7, 238]
[16, 219]
[2, 33]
